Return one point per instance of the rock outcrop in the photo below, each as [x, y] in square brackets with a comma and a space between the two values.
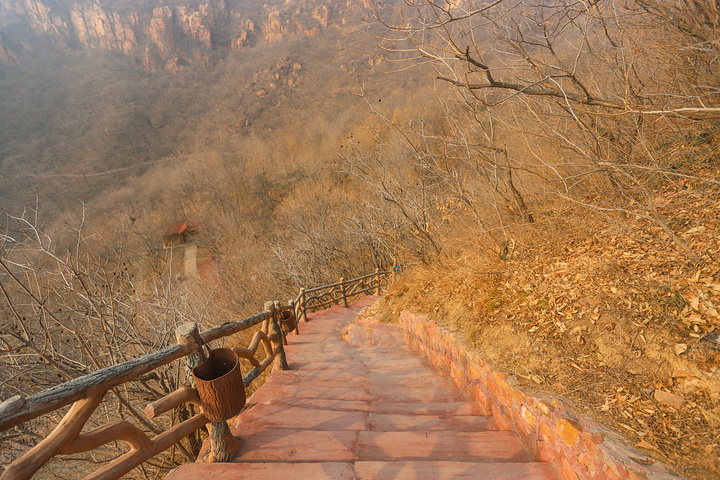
[322, 15]
[94, 27]
[274, 28]
[166, 37]
[239, 41]
[7, 56]
[198, 22]
[41, 18]
[161, 30]
[360, 5]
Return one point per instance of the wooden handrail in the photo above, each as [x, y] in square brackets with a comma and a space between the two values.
[86, 393]
[383, 274]
[17, 410]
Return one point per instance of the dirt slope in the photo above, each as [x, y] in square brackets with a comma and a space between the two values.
[621, 324]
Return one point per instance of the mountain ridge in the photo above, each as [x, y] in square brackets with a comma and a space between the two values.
[170, 36]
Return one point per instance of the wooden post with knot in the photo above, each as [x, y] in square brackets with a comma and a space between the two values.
[279, 315]
[303, 311]
[342, 289]
[224, 446]
[291, 302]
[280, 360]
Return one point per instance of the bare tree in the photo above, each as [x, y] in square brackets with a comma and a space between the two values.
[438, 179]
[319, 236]
[75, 302]
[581, 95]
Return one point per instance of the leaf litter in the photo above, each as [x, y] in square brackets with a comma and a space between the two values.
[619, 323]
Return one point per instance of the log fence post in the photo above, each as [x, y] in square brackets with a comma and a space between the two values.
[66, 438]
[291, 302]
[279, 312]
[280, 360]
[66, 432]
[188, 334]
[303, 309]
[342, 289]
[223, 444]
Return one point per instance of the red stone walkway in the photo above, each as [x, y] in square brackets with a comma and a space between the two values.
[368, 412]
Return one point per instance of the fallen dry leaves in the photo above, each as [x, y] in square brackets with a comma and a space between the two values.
[614, 318]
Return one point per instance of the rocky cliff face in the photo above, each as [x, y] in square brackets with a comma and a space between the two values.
[165, 37]
[39, 16]
[6, 56]
[94, 27]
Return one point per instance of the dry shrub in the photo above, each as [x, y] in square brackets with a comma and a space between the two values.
[602, 310]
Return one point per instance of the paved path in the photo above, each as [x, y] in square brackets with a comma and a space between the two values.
[345, 412]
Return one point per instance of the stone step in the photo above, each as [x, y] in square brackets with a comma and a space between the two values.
[423, 379]
[381, 422]
[307, 348]
[383, 335]
[442, 408]
[354, 368]
[325, 327]
[401, 394]
[268, 392]
[397, 369]
[438, 409]
[372, 381]
[369, 356]
[380, 392]
[377, 411]
[334, 355]
[323, 403]
[318, 378]
[378, 363]
[264, 471]
[411, 470]
[449, 446]
[266, 416]
[289, 445]
[334, 358]
[442, 470]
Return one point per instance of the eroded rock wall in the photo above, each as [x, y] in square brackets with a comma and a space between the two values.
[167, 37]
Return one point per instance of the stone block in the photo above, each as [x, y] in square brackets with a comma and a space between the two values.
[544, 452]
[591, 442]
[527, 416]
[544, 408]
[547, 433]
[589, 462]
[568, 432]
[567, 472]
[478, 394]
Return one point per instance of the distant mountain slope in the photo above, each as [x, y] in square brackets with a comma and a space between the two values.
[95, 94]
[168, 36]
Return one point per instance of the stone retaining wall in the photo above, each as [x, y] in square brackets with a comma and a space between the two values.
[579, 448]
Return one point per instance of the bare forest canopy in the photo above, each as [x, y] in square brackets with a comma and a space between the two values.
[79, 117]
[230, 113]
[509, 132]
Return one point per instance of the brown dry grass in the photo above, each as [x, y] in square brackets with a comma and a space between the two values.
[603, 312]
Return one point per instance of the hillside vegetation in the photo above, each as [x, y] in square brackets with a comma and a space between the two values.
[569, 209]
[546, 176]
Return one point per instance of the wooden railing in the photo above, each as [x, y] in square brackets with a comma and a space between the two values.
[342, 292]
[87, 392]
